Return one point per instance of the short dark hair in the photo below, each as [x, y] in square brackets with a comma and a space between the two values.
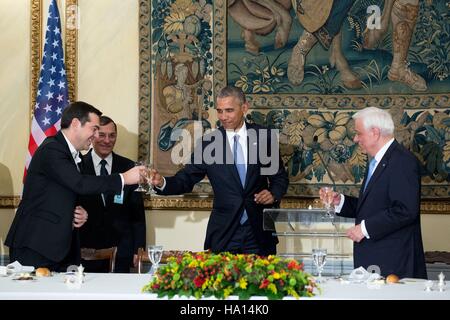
[231, 91]
[104, 120]
[77, 110]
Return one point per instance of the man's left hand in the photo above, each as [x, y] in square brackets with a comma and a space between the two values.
[355, 233]
[264, 197]
[80, 216]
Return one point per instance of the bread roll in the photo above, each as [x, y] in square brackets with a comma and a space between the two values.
[42, 272]
[392, 278]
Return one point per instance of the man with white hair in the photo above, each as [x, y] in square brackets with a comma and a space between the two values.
[387, 227]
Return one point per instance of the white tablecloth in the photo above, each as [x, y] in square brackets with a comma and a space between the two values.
[128, 287]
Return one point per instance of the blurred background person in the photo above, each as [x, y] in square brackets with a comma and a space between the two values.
[114, 220]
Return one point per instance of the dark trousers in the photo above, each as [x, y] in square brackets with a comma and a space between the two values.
[243, 241]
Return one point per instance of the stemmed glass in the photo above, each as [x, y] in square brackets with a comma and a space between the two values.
[144, 176]
[319, 258]
[154, 254]
[149, 177]
[328, 201]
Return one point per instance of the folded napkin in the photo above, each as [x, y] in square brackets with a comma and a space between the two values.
[362, 275]
[16, 267]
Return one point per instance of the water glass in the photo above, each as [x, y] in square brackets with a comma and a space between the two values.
[155, 255]
[319, 257]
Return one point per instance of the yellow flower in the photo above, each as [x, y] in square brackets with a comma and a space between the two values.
[242, 283]
[227, 291]
[272, 288]
[193, 264]
[276, 275]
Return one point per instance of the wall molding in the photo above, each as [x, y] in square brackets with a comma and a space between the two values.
[204, 203]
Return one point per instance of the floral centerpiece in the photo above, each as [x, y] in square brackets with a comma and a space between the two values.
[206, 274]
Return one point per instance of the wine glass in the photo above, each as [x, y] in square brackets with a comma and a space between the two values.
[149, 177]
[154, 254]
[319, 258]
[328, 201]
[144, 174]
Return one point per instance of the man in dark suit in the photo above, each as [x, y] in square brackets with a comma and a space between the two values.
[243, 183]
[114, 220]
[44, 230]
[387, 233]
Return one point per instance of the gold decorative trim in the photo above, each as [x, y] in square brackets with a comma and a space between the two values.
[35, 49]
[71, 50]
[145, 79]
[204, 203]
[9, 202]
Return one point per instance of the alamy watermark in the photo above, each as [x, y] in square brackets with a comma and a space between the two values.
[374, 20]
[262, 145]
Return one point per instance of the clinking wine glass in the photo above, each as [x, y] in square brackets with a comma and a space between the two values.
[154, 254]
[144, 174]
[149, 177]
[328, 201]
[319, 258]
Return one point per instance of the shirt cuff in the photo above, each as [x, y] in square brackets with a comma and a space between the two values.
[364, 230]
[123, 181]
[163, 186]
[338, 208]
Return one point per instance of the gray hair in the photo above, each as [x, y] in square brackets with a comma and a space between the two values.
[373, 117]
[230, 91]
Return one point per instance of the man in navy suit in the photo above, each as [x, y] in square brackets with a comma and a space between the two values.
[44, 232]
[114, 220]
[387, 233]
[244, 183]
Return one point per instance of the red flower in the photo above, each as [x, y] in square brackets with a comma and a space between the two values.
[198, 281]
[264, 284]
[294, 265]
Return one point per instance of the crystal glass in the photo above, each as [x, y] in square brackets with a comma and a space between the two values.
[154, 254]
[149, 177]
[319, 257]
[144, 175]
[328, 200]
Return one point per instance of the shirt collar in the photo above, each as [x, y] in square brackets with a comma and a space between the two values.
[74, 152]
[382, 151]
[242, 132]
[96, 159]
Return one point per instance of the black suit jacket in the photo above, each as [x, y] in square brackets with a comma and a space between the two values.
[391, 209]
[121, 225]
[43, 221]
[230, 198]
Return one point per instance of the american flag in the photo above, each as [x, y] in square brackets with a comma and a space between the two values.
[52, 94]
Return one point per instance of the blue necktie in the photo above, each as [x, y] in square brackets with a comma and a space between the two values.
[239, 162]
[372, 164]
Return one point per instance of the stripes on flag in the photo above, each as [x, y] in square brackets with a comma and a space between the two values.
[52, 95]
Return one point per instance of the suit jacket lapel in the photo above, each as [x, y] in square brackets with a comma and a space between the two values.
[88, 168]
[252, 149]
[377, 173]
[60, 138]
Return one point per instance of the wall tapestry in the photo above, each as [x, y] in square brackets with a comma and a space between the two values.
[306, 67]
